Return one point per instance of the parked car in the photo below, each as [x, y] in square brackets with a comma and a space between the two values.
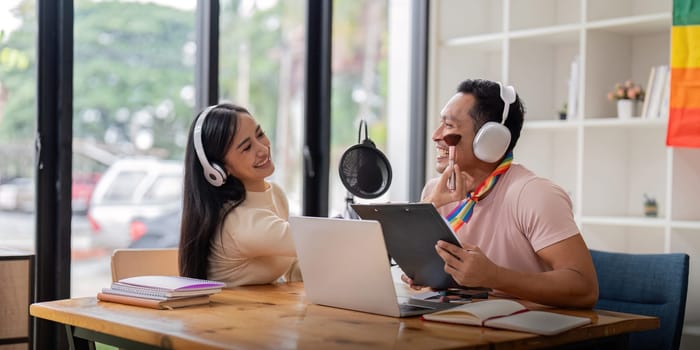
[132, 188]
[81, 190]
[161, 231]
[17, 194]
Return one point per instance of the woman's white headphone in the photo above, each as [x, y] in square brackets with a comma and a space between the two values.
[213, 172]
[492, 139]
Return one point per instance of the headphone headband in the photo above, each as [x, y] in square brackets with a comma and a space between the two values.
[214, 173]
[507, 94]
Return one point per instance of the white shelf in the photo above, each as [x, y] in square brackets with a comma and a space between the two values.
[551, 124]
[635, 25]
[606, 164]
[594, 123]
[690, 225]
[563, 31]
[624, 221]
[624, 123]
[486, 40]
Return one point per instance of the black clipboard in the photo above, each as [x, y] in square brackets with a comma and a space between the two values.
[411, 231]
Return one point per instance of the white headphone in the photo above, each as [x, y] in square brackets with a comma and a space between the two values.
[213, 172]
[492, 139]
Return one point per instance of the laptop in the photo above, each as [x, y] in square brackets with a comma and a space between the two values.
[345, 264]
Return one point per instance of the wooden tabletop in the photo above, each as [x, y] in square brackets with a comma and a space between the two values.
[277, 317]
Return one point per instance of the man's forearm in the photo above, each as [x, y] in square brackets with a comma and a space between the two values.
[562, 287]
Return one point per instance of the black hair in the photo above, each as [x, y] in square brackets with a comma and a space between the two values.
[204, 206]
[488, 106]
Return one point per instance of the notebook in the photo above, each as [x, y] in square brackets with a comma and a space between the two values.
[509, 314]
[154, 303]
[165, 286]
[345, 265]
[411, 231]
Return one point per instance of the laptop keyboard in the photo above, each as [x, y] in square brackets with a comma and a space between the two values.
[410, 308]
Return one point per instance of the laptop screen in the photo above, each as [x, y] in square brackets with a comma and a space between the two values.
[345, 264]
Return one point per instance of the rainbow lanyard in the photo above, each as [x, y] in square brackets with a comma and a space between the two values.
[461, 214]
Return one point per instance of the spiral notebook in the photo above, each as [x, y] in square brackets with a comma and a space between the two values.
[164, 286]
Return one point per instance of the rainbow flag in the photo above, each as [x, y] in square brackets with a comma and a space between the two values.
[684, 103]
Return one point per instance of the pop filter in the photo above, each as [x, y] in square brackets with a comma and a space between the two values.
[364, 170]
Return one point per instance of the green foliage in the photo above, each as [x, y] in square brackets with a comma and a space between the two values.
[18, 78]
[131, 57]
[344, 110]
[266, 48]
[127, 55]
[350, 40]
[11, 59]
[250, 46]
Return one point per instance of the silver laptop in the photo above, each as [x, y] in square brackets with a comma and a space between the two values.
[345, 264]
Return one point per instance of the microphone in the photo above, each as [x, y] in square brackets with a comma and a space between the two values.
[364, 170]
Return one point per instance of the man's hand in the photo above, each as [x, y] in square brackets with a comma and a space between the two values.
[441, 195]
[409, 281]
[468, 265]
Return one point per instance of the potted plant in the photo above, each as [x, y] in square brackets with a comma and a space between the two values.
[650, 206]
[563, 111]
[627, 95]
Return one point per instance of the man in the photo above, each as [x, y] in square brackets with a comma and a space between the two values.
[517, 231]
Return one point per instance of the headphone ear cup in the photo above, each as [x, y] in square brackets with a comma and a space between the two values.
[215, 175]
[491, 142]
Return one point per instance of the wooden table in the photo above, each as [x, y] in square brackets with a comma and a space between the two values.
[277, 317]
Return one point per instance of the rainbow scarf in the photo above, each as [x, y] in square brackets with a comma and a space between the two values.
[461, 214]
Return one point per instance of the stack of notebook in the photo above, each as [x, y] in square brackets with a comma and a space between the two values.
[160, 292]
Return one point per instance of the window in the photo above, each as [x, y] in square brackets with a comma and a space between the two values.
[261, 67]
[370, 82]
[134, 96]
[18, 29]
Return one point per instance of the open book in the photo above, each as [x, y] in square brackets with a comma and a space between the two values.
[508, 314]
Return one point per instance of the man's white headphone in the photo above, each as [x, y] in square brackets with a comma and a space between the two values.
[213, 172]
[492, 139]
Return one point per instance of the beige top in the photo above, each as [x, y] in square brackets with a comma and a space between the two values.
[522, 214]
[254, 246]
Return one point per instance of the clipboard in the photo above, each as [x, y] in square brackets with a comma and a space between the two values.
[411, 231]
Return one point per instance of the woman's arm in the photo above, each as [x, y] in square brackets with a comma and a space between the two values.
[260, 232]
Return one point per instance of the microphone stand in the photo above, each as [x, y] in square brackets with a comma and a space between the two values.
[349, 213]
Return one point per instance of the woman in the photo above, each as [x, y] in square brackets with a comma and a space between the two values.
[234, 223]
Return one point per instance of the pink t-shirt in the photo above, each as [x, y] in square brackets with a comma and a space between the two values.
[522, 214]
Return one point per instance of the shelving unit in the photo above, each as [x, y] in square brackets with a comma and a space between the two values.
[606, 164]
[16, 272]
